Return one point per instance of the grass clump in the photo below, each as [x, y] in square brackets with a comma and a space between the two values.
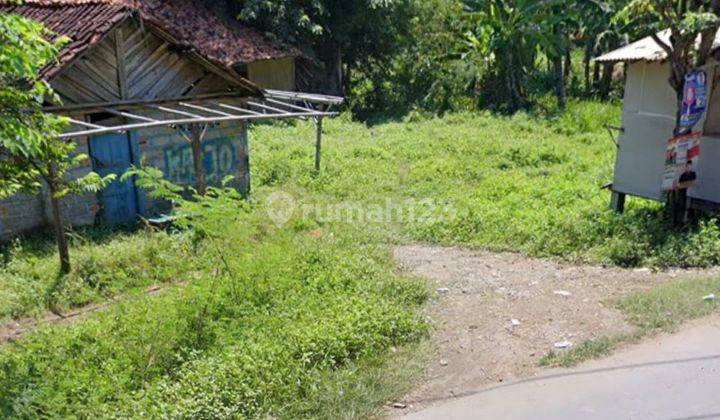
[665, 307]
[587, 350]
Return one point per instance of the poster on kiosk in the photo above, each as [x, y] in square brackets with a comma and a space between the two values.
[681, 162]
[683, 151]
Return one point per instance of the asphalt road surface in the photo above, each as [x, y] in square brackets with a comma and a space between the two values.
[669, 377]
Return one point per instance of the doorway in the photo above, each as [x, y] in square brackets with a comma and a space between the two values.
[113, 154]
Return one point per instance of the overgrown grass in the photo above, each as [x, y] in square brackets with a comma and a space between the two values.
[106, 263]
[270, 317]
[661, 309]
[254, 334]
[528, 183]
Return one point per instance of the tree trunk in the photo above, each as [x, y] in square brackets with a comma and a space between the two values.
[59, 225]
[606, 80]
[587, 57]
[596, 75]
[512, 82]
[568, 66]
[334, 61]
[198, 158]
[559, 80]
[335, 69]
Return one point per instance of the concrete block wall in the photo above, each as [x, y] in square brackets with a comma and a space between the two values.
[19, 214]
[78, 210]
[23, 213]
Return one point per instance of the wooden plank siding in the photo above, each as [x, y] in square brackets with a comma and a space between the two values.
[132, 62]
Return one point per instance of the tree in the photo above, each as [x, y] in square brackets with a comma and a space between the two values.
[342, 35]
[30, 151]
[597, 33]
[506, 35]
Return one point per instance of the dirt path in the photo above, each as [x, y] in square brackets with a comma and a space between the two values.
[14, 330]
[497, 314]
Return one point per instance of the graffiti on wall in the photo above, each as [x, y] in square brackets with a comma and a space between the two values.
[221, 160]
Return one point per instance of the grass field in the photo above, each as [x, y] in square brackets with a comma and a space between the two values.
[267, 317]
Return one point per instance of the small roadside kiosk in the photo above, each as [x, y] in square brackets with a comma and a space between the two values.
[158, 83]
[650, 162]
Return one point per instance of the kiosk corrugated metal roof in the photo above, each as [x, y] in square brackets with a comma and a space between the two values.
[645, 49]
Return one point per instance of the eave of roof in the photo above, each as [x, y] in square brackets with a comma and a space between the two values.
[645, 49]
[86, 22]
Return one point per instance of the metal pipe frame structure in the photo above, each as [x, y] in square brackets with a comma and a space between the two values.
[274, 105]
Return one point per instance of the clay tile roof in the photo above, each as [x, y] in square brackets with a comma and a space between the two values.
[85, 22]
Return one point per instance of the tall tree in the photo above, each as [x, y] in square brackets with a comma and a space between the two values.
[30, 151]
[342, 35]
[597, 33]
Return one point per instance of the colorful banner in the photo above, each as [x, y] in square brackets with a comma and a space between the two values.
[694, 100]
[681, 160]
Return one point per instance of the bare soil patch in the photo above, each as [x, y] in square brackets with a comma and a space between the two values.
[497, 314]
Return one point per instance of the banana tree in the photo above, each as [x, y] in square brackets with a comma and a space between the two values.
[505, 36]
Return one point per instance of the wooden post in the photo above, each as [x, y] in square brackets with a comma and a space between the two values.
[198, 158]
[318, 143]
[245, 157]
[678, 206]
[617, 202]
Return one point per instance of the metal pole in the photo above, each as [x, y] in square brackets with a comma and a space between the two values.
[318, 143]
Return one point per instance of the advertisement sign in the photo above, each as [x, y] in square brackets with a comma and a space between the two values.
[681, 160]
[694, 99]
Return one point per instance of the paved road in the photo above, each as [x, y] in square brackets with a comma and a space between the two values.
[671, 377]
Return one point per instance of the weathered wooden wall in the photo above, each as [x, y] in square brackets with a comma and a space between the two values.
[149, 68]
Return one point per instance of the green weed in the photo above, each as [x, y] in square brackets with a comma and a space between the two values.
[270, 316]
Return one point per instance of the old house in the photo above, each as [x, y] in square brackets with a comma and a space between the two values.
[165, 83]
[648, 119]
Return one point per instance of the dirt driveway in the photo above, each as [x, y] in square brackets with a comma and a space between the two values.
[497, 314]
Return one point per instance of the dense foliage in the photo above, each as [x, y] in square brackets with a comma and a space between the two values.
[439, 55]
